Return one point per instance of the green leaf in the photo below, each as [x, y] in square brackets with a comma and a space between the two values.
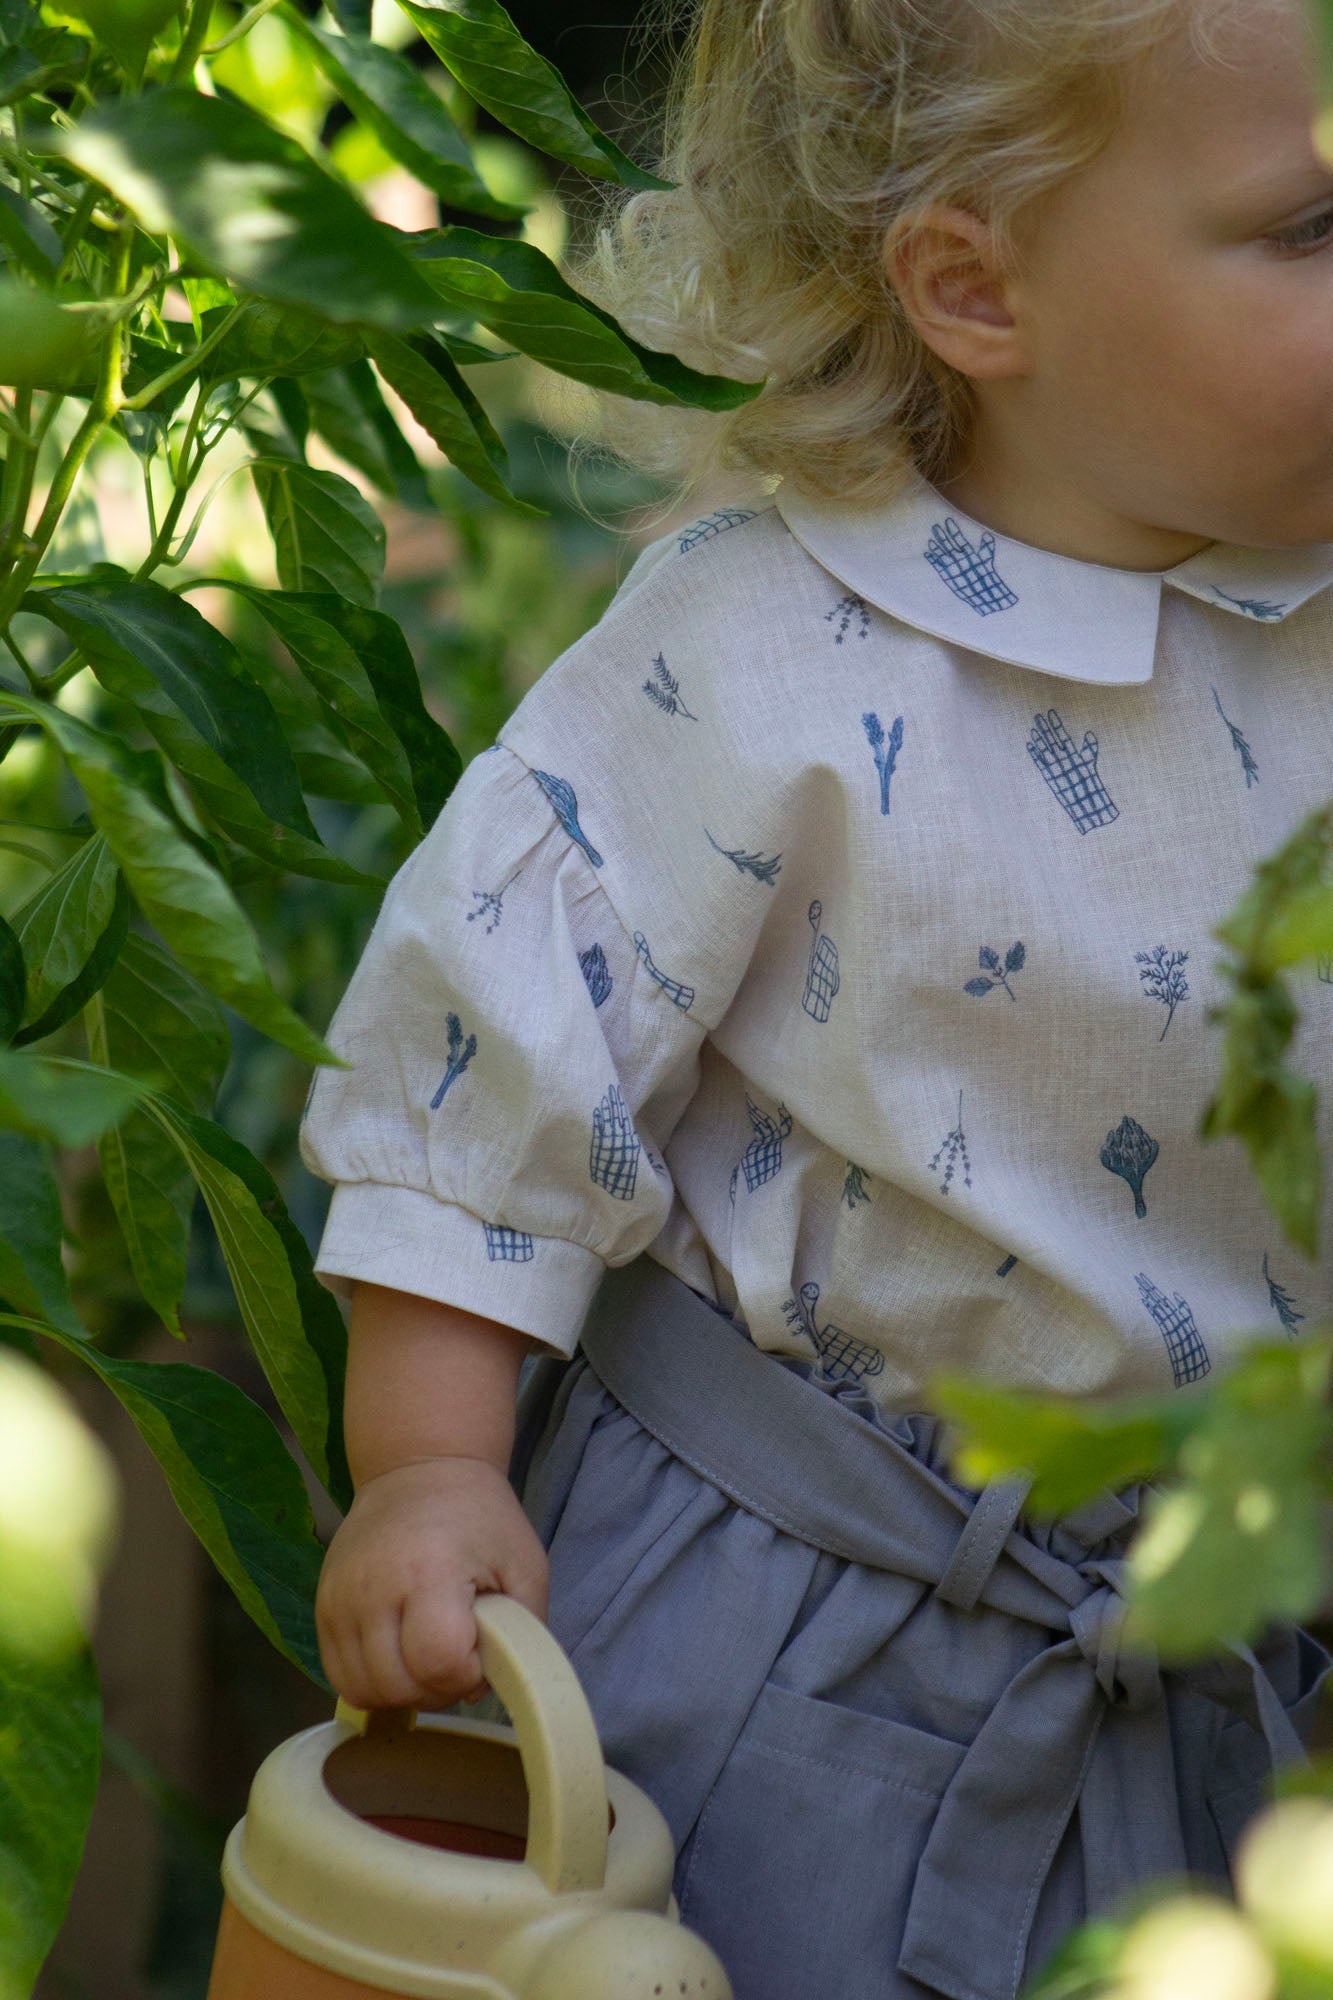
[156, 1023]
[50, 1756]
[518, 293]
[44, 345]
[13, 982]
[60, 923]
[293, 1321]
[32, 1272]
[187, 682]
[1241, 1540]
[1303, 928]
[330, 639]
[28, 236]
[427, 379]
[46, 1100]
[247, 202]
[276, 340]
[1071, 1447]
[390, 95]
[348, 410]
[479, 44]
[1269, 1107]
[95, 970]
[236, 1484]
[179, 892]
[326, 535]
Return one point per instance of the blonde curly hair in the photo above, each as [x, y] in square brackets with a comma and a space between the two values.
[800, 135]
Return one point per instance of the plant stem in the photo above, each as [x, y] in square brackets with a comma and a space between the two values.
[242, 27]
[192, 42]
[172, 375]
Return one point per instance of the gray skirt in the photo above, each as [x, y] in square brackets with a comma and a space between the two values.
[888, 1720]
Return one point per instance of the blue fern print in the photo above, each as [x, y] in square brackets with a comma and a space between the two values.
[1130, 1152]
[1184, 1345]
[710, 525]
[459, 1057]
[1248, 765]
[952, 1148]
[613, 1158]
[751, 864]
[592, 964]
[490, 901]
[507, 1246]
[1159, 970]
[1003, 1270]
[1281, 1301]
[989, 961]
[844, 611]
[1253, 607]
[762, 1158]
[968, 571]
[822, 977]
[683, 996]
[839, 1355]
[886, 756]
[561, 794]
[853, 1187]
[1071, 774]
[667, 693]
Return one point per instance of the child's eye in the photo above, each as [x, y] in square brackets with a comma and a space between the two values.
[1315, 231]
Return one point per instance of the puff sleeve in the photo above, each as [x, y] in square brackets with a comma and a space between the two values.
[518, 1065]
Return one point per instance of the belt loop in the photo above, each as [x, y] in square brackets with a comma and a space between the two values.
[983, 1536]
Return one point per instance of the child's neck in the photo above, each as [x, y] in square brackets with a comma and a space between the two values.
[1066, 521]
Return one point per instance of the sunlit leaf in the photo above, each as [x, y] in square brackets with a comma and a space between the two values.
[61, 921]
[326, 535]
[427, 379]
[96, 968]
[45, 1100]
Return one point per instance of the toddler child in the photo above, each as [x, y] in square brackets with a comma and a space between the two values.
[809, 989]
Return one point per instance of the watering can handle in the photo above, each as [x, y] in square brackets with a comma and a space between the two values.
[557, 1740]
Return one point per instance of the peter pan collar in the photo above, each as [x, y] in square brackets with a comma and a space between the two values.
[926, 562]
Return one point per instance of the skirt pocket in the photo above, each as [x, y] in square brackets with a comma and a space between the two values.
[801, 1866]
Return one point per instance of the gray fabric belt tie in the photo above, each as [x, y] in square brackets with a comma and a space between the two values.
[810, 1465]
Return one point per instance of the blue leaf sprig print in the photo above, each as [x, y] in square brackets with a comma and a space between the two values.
[840, 1356]
[822, 977]
[1253, 607]
[1130, 1152]
[491, 901]
[968, 570]
[989, 961]
[596, 974]
[561, 794]
[1163, 979]
[1071, 773]
[952, 1148]
[844, 611]
[1248, 765]
[886, 754]
[1281, 1301]
[763, 870]
[853, 1187]
[667, 693]
[613, 1157]
[709, 525]
[1184, 1343]
[459, 1057]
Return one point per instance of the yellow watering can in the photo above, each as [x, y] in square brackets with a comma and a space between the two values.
[381, 1856]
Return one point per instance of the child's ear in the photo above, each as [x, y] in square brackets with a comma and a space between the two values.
[943, 265]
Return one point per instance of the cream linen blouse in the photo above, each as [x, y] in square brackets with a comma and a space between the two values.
[832, 922]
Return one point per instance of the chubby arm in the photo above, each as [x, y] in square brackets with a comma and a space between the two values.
[429, 1425]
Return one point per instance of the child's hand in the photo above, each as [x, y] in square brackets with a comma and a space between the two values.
[394, 1605]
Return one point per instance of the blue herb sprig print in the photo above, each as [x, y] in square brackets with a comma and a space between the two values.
[840, 1356]
[459, 1057]
[989, 961]
[1248, 764]
[853, 1187]
[613, 1157]
[886, 754]
[491, 901]
[1281, 1301]
[844, 611]
[969, 571]
[667, 693]
[1160, 972]
[1130, 1152]
[561, 794]
[1253, 607]
[597, 978]
[763, 870]
[952, 1148]
[1184, 1343]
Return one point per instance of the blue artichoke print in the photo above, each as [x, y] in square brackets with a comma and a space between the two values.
[459, 1057]
[886, 756]
[1281, 1301]
[1248, 765]
[592, 964]
[989, 961]
[840, 1356]
[968, 571]
[1129, 1152]
[1163, 979]
[751, 864]
[1184, 1345]
[561, 794]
